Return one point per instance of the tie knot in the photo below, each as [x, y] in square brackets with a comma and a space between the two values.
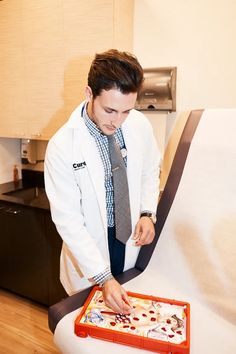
[110, 138]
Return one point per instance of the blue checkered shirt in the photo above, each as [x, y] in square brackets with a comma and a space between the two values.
[102, 145]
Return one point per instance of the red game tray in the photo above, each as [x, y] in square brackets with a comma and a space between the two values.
[155, 324]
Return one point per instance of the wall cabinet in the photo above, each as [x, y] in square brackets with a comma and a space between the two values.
[46, 48]
[29, 254]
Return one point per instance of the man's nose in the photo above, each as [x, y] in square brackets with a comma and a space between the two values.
[117, 117]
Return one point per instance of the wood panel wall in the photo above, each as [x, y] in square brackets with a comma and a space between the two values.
[46, 48]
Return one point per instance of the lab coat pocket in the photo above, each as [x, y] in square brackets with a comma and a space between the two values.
[82, 177]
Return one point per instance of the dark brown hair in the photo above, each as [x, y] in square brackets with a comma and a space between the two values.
[115, 70]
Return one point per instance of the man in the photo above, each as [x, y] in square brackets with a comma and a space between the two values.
[79, 179]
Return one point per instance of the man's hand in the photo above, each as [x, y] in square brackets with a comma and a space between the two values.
[144, 232]
[116, 297]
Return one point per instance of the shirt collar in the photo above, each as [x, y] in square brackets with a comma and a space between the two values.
[92, 127]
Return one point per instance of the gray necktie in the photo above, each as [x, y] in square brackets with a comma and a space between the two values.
[121, 192]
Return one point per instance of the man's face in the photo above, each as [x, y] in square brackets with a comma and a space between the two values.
[110, 109]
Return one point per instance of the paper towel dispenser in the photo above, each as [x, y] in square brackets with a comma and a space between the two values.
[158, 92]
[28, 151]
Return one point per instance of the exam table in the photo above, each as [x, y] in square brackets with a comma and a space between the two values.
[193, 257]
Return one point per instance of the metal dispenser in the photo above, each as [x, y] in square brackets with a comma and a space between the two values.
[158, 92]
[28, 151]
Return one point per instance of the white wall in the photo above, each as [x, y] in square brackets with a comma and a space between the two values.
[9, 156]
[197, 36]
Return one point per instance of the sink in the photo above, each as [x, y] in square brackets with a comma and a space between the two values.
[28, 194]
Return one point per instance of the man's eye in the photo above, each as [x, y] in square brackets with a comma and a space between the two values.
[108, 111]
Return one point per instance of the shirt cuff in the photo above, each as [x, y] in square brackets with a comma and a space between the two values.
[102, 277]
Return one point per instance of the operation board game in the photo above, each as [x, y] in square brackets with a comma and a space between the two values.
[156, 324]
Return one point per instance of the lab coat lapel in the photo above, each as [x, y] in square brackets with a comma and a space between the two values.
[133, 168]
[89, 151]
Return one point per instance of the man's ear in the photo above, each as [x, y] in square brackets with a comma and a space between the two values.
[88, 93]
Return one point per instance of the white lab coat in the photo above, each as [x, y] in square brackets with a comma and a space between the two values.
[74, 182]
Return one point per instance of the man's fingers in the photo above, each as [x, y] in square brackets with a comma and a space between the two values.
[137, 233]
[117, 299]
[118, 304]
[145, 238]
